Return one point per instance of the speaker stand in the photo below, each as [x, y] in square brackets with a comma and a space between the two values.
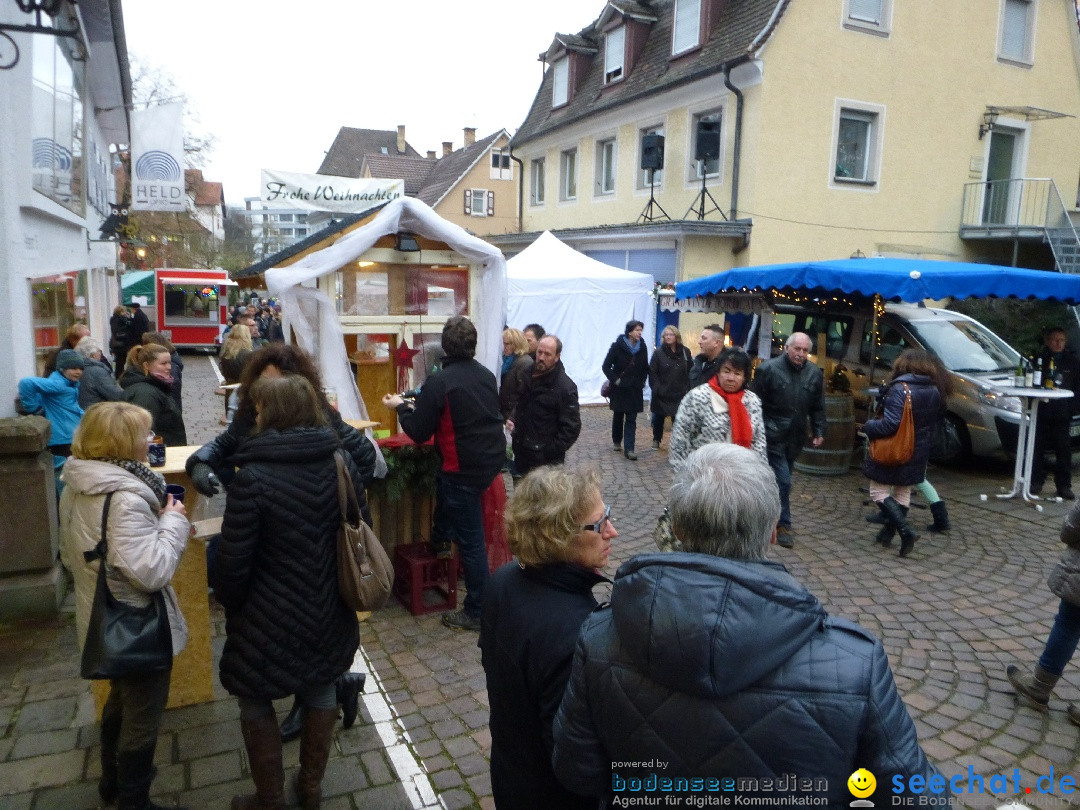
[649, 214]
[698, 205]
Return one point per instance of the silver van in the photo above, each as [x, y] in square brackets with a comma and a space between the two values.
[980, 421]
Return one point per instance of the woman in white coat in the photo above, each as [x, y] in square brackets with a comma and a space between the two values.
[146, 532]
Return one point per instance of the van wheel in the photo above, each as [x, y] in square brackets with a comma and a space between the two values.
[952, 444]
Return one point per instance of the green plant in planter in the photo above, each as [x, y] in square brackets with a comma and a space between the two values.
[408, 468]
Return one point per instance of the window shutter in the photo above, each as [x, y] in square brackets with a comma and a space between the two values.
[614, 52]
[468, 201]
[1014, 29]
[865, 10]
[491, 203]
[687, 25]
[560, 82]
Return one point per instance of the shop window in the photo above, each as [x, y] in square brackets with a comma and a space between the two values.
[56, 121]
[403, 290]
[190, 303]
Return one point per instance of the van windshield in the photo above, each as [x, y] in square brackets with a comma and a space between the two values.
[965, 346]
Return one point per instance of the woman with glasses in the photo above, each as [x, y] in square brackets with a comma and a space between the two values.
[560, 531]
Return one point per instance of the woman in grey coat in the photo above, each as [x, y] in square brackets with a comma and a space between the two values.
[97, 383]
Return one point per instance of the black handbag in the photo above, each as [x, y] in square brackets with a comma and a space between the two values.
[122, 640]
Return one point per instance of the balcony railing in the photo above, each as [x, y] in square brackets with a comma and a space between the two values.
[1020, 203]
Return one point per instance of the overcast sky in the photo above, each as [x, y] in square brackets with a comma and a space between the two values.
[273, 81]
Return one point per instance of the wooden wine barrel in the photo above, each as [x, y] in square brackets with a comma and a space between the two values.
[834, 455]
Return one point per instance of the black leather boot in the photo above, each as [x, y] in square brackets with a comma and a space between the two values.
[109, 783]
[941, 518]
[290, 726]
[135, 772]
[897, 516]
[348, 687]
[887, 532]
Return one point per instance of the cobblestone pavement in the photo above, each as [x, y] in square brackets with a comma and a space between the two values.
[951, 616]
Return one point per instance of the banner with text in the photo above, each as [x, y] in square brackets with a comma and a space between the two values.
[324, 192]
[157, 158]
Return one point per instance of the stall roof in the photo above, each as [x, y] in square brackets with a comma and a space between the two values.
[893, 279]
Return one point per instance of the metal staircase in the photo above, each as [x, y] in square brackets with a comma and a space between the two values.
[1063, 239]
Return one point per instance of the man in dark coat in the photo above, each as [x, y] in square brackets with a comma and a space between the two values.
[791, 390]
[706, 364]
[459, 406]
[140, 325]
[1061, 369]
[547, 420]
[720, 662]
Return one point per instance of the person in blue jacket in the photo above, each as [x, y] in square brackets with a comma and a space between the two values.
[719, 664]
[57, 396]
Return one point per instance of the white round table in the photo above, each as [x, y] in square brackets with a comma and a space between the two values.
[1025, 439]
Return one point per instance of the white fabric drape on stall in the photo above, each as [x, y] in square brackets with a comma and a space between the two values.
[313, 316]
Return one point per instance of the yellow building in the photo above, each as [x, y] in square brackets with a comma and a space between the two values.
[822, 128]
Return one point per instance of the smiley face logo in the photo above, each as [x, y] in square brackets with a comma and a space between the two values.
[861, 783]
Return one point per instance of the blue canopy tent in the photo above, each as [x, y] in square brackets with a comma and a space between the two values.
[910, 280]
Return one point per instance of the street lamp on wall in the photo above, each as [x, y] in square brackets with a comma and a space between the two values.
[988, 122]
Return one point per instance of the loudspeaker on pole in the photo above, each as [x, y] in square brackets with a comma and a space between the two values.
[652, 151]
[708, 140]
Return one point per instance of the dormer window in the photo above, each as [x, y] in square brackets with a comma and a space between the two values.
[687, 27]
[560, 83]
[614, 54]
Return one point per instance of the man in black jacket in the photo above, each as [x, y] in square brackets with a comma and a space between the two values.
[459, 406]
[791, 389]
[1061, 369]
[547, 420]
[707, 363]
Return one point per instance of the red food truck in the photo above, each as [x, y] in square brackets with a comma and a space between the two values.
[190, 306]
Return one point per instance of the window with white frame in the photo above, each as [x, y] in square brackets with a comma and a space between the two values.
[868, 15]
[56, 116]
[857, 144]
[501, 168]
[479, 202]
[536, 181]
[614, 54]
[560, 82]
[643, 174]
[706, 126]
[568, 175]
[1017, 23]
[686, 31]
[605, 166]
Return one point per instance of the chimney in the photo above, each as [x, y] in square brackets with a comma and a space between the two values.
[447, 148]
[401, 139]
[431, 154]
[470, 136]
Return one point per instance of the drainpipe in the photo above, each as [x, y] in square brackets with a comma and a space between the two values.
[521, 187]
[737, 152]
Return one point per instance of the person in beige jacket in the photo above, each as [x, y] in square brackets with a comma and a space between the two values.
[146, 532]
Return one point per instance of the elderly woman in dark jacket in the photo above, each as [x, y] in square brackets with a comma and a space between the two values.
[723, 664]
[627, 369]
[560, 531]
[917, 372]
[97, 383]
[1064, 581]
[669, 380]
[287, 629]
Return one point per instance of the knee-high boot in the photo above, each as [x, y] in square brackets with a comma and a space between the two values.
[887, 531]
[263, 743]
[109, 783]
[897, 516]
[315, 741]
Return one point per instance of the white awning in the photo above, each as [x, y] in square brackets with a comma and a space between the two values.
[205, 282]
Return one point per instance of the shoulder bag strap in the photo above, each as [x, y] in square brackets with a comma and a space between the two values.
[98, 551]
[346, 492]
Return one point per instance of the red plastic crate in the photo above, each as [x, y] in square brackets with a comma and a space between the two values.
[419, 573]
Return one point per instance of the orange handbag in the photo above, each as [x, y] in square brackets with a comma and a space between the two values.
[892, 451]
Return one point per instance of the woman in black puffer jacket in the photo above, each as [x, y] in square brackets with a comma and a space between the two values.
[627, 369]
[287, 629]
[924, 377]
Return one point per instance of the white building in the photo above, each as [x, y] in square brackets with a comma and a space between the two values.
[63, 103]
[274, 228]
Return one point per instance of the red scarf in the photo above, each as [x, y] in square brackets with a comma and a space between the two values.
[741, 432]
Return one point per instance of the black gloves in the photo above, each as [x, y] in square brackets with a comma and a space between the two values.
[204, 479]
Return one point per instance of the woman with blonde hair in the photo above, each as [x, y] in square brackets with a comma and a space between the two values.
[516, 365]
[560, 531]
[109, 485]
[669, 380]
[235, 352]
[287, 629]
[147, 382]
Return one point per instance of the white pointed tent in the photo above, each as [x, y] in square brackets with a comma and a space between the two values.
[585, 302]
